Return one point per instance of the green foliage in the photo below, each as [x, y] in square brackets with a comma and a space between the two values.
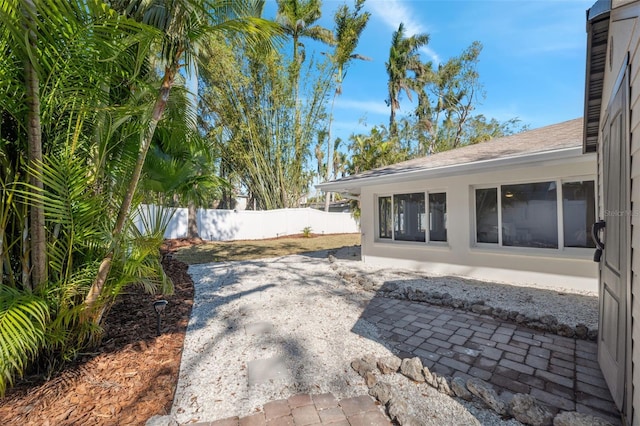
[251, 116]
[23, 323]
[403, 58]
[306, 232]
[377, 149]
[97, 92]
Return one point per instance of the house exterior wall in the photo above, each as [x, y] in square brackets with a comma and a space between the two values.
[569, 268]
[624, 36]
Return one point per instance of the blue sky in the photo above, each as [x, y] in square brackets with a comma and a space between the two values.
[532, 65]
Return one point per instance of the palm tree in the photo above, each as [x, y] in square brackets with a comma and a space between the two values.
[55, 105]
[403, 58]
[34, 138]
[296, 18]
[182, 25]
[349, 27]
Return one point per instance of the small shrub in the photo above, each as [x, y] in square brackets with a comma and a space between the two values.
[306, 232]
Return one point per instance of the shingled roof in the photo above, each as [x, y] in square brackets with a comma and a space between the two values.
[559, 137]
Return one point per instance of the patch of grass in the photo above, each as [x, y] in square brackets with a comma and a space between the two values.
[217, 251]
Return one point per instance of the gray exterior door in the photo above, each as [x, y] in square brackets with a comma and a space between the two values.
[613, 333]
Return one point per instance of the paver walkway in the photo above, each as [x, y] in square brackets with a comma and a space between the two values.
[561, 372]
[558, 371]
[304, 409]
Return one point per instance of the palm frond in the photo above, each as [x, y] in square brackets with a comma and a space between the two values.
[23, 319]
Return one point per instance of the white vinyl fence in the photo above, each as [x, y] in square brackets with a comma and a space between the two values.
[225, 225]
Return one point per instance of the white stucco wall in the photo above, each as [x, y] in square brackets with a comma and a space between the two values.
[559, 268]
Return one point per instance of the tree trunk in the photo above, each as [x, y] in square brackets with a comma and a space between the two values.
[192, 221]
[38, 241]
[327, 198]
[105, 267]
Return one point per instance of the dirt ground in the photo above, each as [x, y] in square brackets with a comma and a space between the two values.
[133, 374]
[129, 378]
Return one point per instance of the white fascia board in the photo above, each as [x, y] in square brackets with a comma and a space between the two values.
[545, 158]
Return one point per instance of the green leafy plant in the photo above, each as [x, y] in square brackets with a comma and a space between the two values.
[306, 232]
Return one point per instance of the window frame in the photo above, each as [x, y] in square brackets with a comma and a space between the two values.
[559, 216]
[393, 240]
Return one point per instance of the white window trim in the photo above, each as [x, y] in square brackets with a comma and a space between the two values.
[569, 251]
[392, 240]
[376, 224]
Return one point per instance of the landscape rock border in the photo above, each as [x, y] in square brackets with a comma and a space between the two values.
[522, 407]
[394, 291]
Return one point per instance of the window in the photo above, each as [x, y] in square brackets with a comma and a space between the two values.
[438, 217]
[487, 215]
[530, 215]
[407, 213]
[408, 216]
[384, 217]
[578, 208]
[526, 215]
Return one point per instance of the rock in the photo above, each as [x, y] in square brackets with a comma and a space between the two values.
[513, 315]
[430, 378]
[457, 303]
[460, 388]
[443, 385]
[397, 408]
[158, 420]
[548, 319]
[565, 331]
[420, 296]
[412, 368]
[538, 325]
[573, 418]
[481, 309]
[520, 318]
[363, 365]
[389, 287]
[485, 392]
[389, 364]
[366, 284]
[370, 379]
[526, 409]
[582, 331]
[593, 335]
[331, 258]
[504, 315]
[381, 391]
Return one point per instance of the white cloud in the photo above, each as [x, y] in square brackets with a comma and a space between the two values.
[393, 12]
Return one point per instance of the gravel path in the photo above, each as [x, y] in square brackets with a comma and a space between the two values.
[267, 329]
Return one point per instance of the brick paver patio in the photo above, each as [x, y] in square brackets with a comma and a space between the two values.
[560, 372]
[304, 409]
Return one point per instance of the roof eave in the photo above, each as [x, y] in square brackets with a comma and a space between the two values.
[597, 39]
[548, 157]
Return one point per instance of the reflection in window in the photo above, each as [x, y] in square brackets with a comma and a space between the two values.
[384, 217]
[578, 208]
[530, 215]
[438, 217]
[408, 215]
[487, 215]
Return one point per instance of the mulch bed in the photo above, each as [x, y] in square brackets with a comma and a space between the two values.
[130, 377]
